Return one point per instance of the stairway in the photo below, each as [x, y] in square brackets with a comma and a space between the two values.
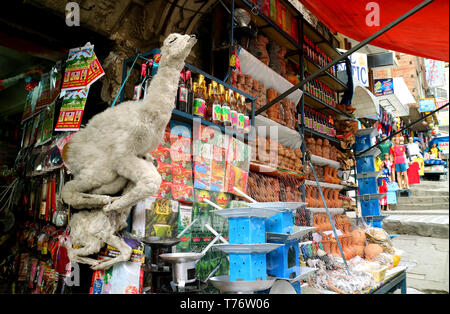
[425, 212]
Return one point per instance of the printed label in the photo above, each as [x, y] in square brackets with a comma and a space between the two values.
[183, 94]
[234, 118]
[226, 114]
[217, 113]
[241, 121]
[199, 107]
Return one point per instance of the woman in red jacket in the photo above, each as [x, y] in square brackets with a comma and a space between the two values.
[401, 164]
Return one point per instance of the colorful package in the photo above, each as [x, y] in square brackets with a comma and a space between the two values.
[155, 217]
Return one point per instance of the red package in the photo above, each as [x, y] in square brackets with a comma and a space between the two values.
[162, 154]
[165, 190]
[182, 193]
[181, 175]
[165, 170]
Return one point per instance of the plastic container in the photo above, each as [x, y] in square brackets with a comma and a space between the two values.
[246, 230]
[284, 262]
[367, 182]
[378, 272]
[248, 266]
[365, 138]
[281, 223]
[365, 164]
[370, 208]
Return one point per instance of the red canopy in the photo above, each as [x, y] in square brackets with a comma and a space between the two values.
[424, 34]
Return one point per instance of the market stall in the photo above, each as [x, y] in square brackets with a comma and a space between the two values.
[271, 187]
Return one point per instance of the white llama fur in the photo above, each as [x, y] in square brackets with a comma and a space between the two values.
[110, 154]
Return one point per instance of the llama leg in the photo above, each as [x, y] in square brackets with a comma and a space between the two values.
[112, 187]
[125, 252]
[79, 255]
[72, 193]
[145, 177]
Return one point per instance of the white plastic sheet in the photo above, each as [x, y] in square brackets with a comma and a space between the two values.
[250, 65]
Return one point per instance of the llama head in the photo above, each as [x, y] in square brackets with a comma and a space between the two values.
[176, 48]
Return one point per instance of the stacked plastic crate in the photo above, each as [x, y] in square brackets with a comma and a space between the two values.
[368, 198]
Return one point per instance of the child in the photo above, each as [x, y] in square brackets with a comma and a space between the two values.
[390, 166]
[383, 187]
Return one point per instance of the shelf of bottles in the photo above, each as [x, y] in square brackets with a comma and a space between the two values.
[204, 97]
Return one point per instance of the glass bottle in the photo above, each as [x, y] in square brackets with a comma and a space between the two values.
[226, 110]
[199, 104]
[234, 112]
[216, 105]
[182, 96]
[246, 117]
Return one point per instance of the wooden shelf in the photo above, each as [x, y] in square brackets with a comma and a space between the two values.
[329, 138]
[324, 184]
[189, 118]
[329, 79]
[320, 161]
[316, 103]
[318, 39]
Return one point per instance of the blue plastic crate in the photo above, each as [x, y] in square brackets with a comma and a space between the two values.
[246, 230]
[248, 266]
[367, 185]
[281, 223]
[370, 207]
[365, 138]
[365, 164]
[284, 261]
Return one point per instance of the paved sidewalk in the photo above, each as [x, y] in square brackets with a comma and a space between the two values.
[427, 261]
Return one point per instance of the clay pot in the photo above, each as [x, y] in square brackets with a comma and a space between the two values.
[335, 248]
[372, 250]
[319, 147]
[326, 245]
[359, 250]
[326, 149]
[359, 237]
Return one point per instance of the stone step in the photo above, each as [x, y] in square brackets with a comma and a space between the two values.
[423, 199]
[434, 212]
[434, 192]
[422, 225]
[421, 206]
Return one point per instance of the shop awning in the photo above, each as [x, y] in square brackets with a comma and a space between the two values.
[424, 34]
[398, 102]
[365, 102]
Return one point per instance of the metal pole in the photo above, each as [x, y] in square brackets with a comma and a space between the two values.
[406, 127]
[328, 214]
[345, 55]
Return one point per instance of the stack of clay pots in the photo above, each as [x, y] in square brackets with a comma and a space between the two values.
[263, 188]
[321, 222]
[277, 155]
[314, 200]
[321, 148]
[290, 189]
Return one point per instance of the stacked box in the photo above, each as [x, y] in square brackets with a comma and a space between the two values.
[367, 177]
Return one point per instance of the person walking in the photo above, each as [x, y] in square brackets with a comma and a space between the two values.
[398, 152]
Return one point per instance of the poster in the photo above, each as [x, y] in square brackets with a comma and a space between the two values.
[435, 73]
[383, 87]
[47, 124]
[82, 68]
[72, 110]
[30, 103]
[427, 104]
[44, 92]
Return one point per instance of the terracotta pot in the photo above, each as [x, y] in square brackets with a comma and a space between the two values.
[359, 250]
[319, 147]
[359, 237]
[326, 245]
[372, 250]
[335, 248]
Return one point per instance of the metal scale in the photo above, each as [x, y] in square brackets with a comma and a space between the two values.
[248, 249]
